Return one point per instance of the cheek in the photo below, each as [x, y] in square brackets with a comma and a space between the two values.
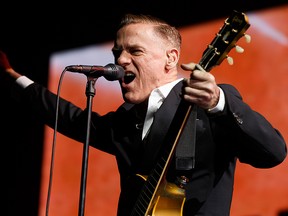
[148, 79]
[152, 70]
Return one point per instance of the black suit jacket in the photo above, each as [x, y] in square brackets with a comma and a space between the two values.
[236, 133]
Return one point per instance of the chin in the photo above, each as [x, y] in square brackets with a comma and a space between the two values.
[131, 99]
[127, 98]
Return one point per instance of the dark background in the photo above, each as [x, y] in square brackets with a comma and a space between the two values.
[30, 33]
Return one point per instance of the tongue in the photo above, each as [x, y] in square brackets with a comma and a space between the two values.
[129, 78]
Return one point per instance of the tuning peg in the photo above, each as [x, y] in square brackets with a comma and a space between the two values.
[230, 60]
[247, 38]
[239, 49]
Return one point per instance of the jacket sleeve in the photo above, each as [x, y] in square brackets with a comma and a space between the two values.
[257, 142]
[43, 104]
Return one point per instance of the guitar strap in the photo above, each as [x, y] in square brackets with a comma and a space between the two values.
[185, 149]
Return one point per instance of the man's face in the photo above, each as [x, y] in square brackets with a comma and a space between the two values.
[143, 55]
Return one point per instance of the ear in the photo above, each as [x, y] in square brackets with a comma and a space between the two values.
[172, 58]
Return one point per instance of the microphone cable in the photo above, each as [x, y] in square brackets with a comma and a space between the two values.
[53, 144]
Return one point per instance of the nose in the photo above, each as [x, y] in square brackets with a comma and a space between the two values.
[124, 58]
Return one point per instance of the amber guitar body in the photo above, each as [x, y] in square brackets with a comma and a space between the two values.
[169, 201]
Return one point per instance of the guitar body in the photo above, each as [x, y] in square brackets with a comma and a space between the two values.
[168, 206]
[168, 201]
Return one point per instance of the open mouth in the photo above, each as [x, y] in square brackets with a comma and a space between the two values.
[129, 77]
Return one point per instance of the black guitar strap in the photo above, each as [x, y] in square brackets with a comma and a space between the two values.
[185, 149]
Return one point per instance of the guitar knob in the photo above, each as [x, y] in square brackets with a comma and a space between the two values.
[230, 60]
[182, 180]
[239, 49]
[247, 38]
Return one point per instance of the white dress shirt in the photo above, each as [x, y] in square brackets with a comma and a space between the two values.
[157, 97]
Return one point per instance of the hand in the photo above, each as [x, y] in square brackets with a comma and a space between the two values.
[4, 62]
[201, 89]
[6, 67]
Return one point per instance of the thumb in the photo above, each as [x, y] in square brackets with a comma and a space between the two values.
[189, 66]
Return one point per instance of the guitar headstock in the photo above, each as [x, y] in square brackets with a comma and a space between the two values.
[233, 29]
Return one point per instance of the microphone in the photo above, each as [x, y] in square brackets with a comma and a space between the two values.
[111, 71]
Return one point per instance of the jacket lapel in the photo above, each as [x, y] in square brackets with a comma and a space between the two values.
[160, 126]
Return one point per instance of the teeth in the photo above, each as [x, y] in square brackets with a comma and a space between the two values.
[129, 74]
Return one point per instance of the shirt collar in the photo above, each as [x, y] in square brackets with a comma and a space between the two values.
[164, 90]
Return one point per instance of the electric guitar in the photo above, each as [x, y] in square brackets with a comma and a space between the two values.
[159, 197]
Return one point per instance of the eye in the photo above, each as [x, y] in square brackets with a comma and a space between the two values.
[135, 52]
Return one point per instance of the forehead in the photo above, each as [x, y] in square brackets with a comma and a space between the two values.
[138, 32]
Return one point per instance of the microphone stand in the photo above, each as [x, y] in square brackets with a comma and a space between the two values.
[90, 93]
